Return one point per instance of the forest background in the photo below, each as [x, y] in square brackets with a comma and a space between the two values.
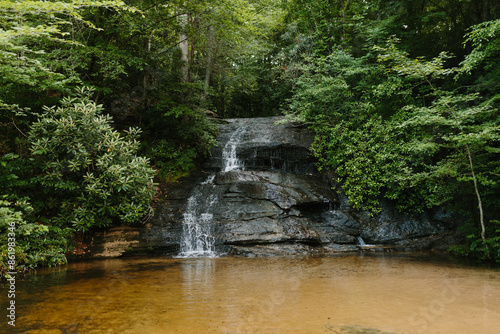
[102, 102]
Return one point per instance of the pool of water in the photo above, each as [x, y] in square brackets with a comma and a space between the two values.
[365, 293]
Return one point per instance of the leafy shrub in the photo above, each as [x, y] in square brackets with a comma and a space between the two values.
[477, 249]
[386, 130]
[170, 161]
[336, 96]
[35, 244]
[90, 174]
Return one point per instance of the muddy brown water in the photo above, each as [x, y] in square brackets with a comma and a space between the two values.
[353, 294]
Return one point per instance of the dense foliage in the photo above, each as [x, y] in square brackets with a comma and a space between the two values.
[36, 244]
[81, 174]
[403, 118]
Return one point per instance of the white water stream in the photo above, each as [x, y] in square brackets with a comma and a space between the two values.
[197, 235]
[197, 229]
[230, 160]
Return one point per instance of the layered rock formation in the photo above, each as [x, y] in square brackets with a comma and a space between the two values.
[261, 195]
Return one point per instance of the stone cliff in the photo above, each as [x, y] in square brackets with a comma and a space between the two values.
[261, 194]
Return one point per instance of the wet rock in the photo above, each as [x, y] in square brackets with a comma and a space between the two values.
[392, 226]
[238, 209]
[235, 176]
[274, 203]
[439, 242]
[125, 240]
[340, 248]
[354, 329]
[267, 230]
[390, 232]
[342, 222]
[270, 250]
[267, 145]
[285, 190]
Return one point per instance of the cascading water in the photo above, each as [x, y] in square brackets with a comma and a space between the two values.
[197, 228]
[197, 237]
[230, 160]
[363, 244]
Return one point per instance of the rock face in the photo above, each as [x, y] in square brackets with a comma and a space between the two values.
[266, 145]
[260, 194]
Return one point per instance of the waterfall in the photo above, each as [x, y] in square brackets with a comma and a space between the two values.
[361, 242]
[230, 160]
[197, 229]
[197, 235]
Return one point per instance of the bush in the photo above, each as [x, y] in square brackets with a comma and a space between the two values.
[35, 244]
[90, 174]
[477, 249]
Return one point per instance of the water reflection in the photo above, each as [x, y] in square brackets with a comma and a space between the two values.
[345, 294]
[198, 276]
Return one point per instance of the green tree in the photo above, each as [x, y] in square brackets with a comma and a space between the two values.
[343, 100]
[481, 63]
[391, 130]
[29, 31]
[453, 128]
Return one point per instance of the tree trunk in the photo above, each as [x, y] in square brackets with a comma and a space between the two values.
[485, 10]
[208, 70]
[478, 195]
[345, 6]
[146, 76]
[184, 45]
